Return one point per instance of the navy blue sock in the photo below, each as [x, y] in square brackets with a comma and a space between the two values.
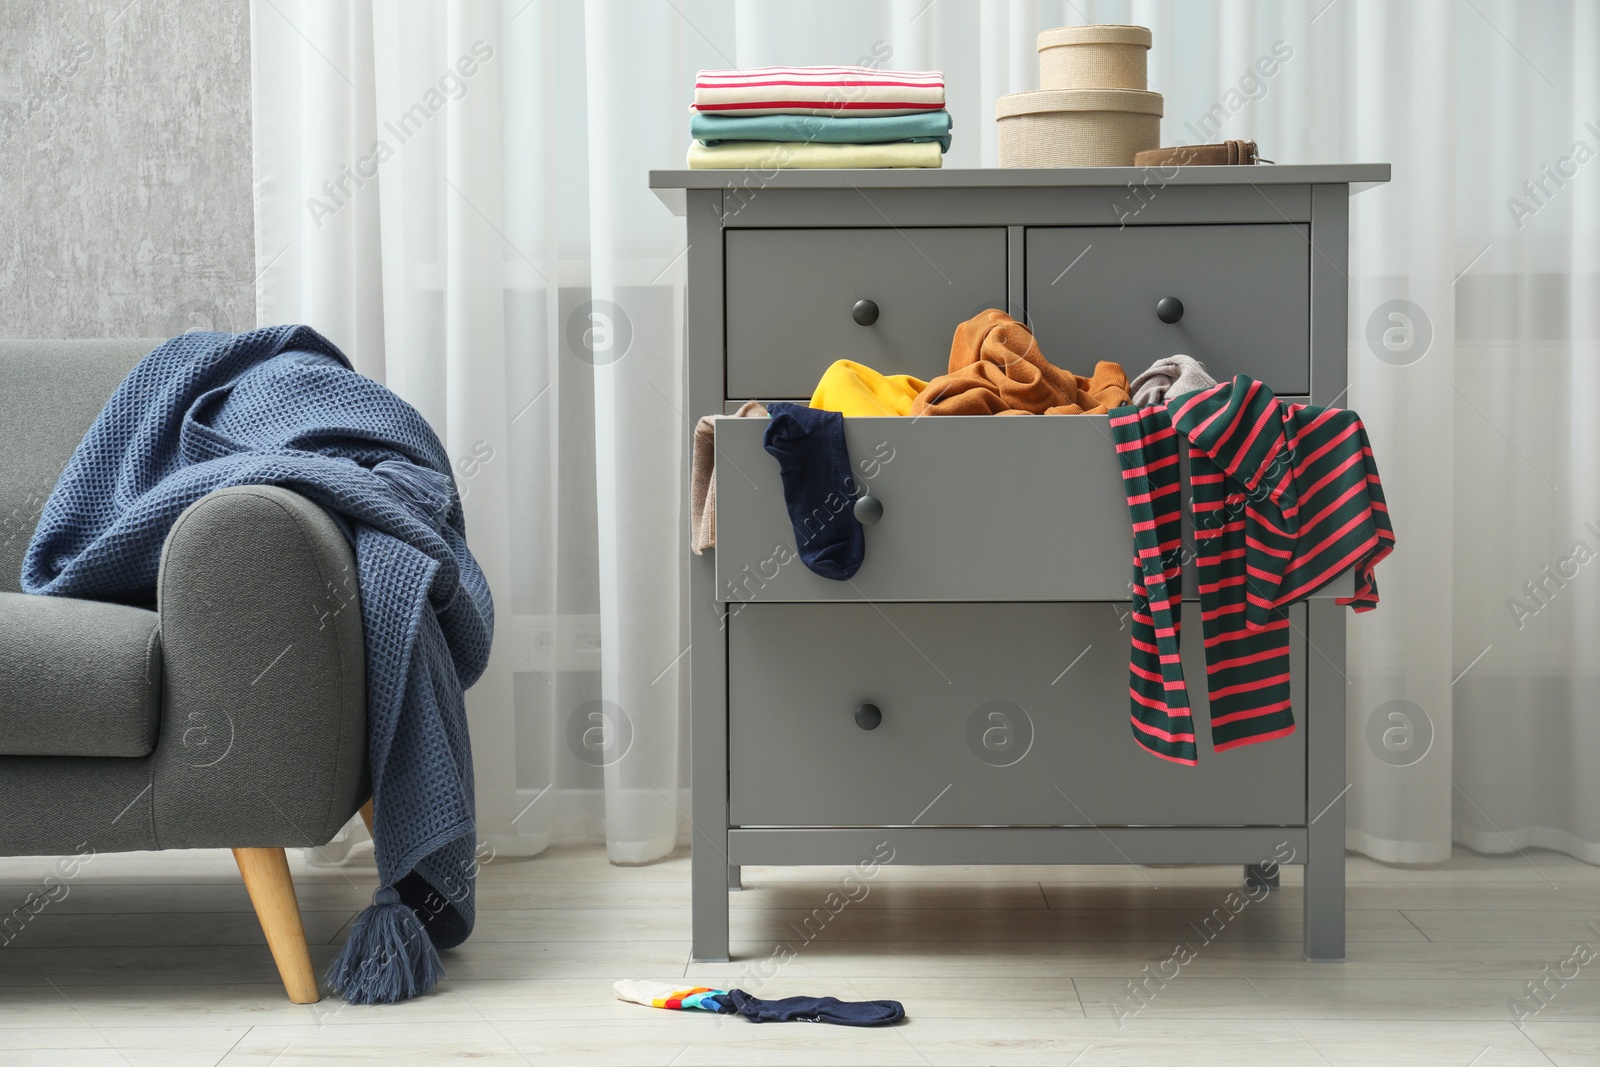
[816, 1010]
[818, 488]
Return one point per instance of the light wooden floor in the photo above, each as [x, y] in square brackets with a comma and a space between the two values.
[156, 959]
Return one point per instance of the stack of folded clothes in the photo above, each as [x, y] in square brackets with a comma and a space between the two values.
[788, 117]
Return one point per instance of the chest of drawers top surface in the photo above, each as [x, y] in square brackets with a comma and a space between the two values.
[669, 184]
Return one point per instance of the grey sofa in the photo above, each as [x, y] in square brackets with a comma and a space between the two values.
[229, 713]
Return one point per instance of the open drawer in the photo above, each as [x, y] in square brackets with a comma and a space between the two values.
[974, 508]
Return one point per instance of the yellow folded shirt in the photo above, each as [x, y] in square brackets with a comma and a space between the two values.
[791, 155]
[853, 390]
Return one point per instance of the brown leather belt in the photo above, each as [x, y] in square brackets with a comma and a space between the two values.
[1228, 153]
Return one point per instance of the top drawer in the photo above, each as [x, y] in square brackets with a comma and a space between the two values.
[791, 295]
[1246, 293]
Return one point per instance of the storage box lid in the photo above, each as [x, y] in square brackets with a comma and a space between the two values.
[1138, 36]
[1138, 101]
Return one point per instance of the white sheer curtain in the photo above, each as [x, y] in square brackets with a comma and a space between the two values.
[455, 193]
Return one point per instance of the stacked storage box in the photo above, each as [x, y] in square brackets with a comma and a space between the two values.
[1092, 109]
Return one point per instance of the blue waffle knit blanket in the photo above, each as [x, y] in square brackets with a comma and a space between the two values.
[282, 406]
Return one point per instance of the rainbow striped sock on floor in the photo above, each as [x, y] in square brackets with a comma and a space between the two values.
[677, 998]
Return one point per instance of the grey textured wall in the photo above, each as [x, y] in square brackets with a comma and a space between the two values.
[125, 204]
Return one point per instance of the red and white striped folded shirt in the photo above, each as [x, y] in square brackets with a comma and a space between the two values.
[856, 91]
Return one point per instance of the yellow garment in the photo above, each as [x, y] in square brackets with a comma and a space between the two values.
[854, 390]
[789, 155]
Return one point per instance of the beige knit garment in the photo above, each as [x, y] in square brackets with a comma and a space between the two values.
[703, 477]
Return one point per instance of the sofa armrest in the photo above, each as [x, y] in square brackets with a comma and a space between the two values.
[263, 738]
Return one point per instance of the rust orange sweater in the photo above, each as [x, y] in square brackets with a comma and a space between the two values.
[996, 369]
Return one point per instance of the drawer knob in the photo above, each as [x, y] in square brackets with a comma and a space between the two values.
[865, 312]
[1169, 309]
[868, 716]
[868, 510]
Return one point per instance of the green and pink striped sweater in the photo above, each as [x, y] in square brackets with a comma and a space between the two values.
[1286, 497]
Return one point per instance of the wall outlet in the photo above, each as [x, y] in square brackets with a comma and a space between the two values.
[554, 642]
[586, 645]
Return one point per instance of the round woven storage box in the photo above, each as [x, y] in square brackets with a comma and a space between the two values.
[1077, 127]
[1094, 57]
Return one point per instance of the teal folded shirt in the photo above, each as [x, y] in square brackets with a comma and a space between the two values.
[827, 129]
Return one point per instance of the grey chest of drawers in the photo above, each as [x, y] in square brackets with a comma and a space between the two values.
[963, 699]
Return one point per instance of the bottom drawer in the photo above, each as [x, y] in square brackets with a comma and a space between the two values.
[991, 714]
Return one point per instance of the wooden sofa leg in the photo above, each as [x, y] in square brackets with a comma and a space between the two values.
[266, 877]
[366, 814]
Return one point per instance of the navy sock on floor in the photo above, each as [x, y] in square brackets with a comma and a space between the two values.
[816, 1010]
[818, 488]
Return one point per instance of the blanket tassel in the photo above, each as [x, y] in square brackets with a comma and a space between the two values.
[388, 957]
